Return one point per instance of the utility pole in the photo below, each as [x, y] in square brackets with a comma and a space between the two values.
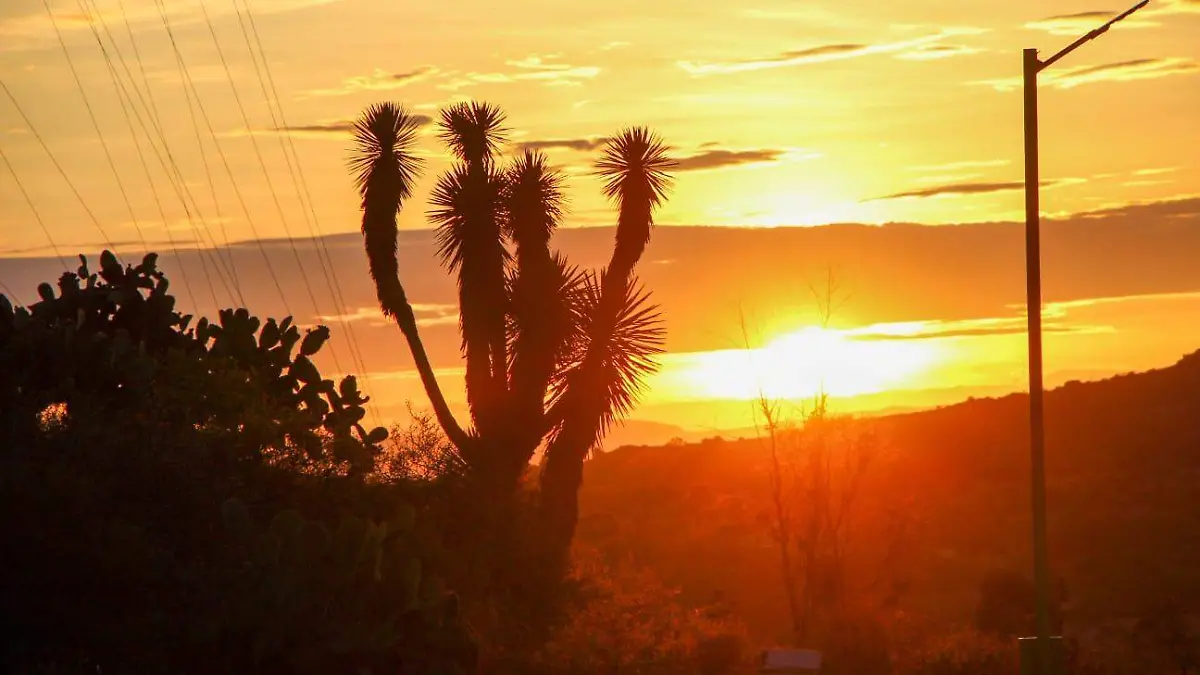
[1044, 658]
[1033, 304]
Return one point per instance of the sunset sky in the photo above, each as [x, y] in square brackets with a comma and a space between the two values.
[896, 126]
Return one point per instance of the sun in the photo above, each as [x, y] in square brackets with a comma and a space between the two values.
[808, 362]
[805, 211]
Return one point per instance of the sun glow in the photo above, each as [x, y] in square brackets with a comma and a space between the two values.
[804, 363]
[806, 211]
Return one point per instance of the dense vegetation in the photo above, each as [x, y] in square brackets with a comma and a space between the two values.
[185, 498]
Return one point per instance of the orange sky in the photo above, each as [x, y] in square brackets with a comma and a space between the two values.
[783, 113]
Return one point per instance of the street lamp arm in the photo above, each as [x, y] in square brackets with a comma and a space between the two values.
[1092, 35]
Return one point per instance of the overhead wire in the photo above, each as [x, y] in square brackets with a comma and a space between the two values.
[87, 104]
[231, 268]
[32, 207]
[16, 302]
[58, 166]
[168, 166]
[137, 55]
[119, 90]
[263, 165]
[221, 153]
[173, 173]
[300, 183]
[212, 190]
[258, 154]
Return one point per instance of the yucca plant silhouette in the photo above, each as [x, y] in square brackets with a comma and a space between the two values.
[554, 355]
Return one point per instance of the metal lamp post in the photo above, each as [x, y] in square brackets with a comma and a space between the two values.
[1042, 660]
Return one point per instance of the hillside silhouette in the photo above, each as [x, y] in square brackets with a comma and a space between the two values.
[1123, 459]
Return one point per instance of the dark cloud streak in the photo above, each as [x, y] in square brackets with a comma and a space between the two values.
[92, 249]
[981, 331]
[412, 75]
[1188, 207]
[577, 144]
[960, 189]
[717, 159]
[337, 127]
[1121, 71]
[822, 51]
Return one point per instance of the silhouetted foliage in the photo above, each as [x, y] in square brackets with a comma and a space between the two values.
[111, 344]
[622, 619]
[960, 653]
[554, 355]
[1006, 606]
[821, 478]
[195, 499]
[1164, 632]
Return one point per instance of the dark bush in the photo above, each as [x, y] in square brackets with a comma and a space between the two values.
[185, 498]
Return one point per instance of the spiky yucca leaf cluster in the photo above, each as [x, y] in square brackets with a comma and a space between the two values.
[385, 169]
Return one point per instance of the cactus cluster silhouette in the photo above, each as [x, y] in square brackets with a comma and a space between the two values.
[106, 337]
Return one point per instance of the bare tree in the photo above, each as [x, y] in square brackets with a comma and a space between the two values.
[818, 466]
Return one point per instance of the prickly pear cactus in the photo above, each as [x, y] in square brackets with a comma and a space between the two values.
[112, 335]
[315, 595]
[162, 418]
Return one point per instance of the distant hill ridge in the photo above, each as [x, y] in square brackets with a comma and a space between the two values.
[1123, 473]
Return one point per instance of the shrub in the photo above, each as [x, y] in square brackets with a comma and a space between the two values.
[622, 619]
[183, 499]
[961, 653]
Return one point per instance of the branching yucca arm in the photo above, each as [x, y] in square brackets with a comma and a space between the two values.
[619, 353]
[623, 333]
[468, 207]
[385, 170]
[541, 317]
[634, 167]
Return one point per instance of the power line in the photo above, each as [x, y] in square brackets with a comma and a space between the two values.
[179, 185]
[54, 160]
[36, 214]
[118, 88]
[263, 165]
[153, 113]
[258, 154]
[221, 152]
[212, 189]
[287, 160]
[298, 179]
[174, 175]
[137, 55]
[96, 125]
[16, 302]
[227, 262]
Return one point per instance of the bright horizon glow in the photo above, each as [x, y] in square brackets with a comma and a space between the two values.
[805, 363]
[801, 210]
